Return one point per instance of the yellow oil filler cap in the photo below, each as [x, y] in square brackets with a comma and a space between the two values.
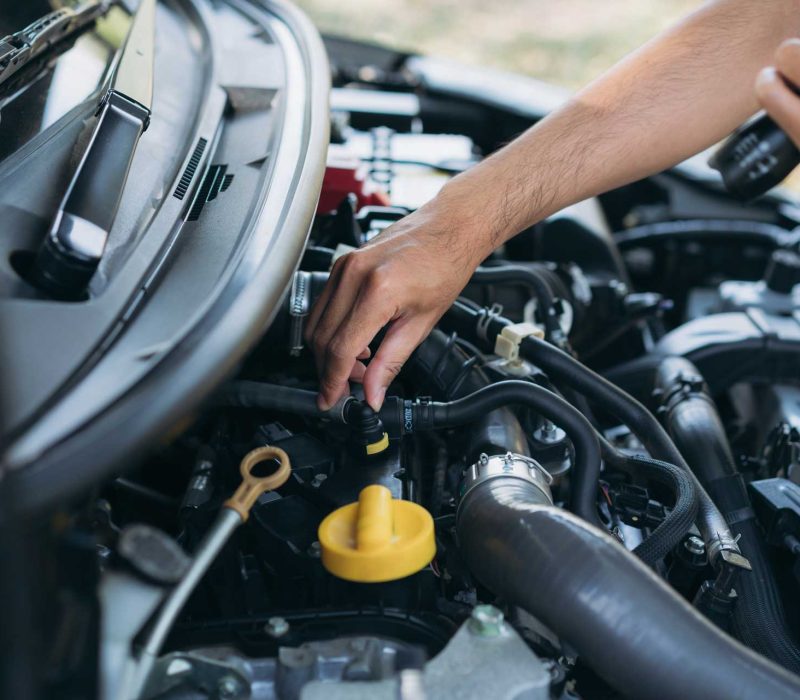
[377, 539]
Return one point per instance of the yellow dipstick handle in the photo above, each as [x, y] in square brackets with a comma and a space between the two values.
[234, 512]
[252, 487]
[375, 522]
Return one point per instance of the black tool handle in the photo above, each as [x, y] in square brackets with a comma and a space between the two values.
[755, 158]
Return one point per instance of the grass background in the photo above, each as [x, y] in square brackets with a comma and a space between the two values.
[567, 42]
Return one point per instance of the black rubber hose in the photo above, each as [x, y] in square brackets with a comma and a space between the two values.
[681, 516]
[586, 467]
[705, 229]
[270, 397]
[519, 274]
[643, 424]
[440, 369]
[693, 421]
[759, 619]
[634, 631]
[563, 368]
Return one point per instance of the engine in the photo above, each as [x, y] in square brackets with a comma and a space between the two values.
[584, 483]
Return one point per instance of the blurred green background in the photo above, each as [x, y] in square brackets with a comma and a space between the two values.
[567, 42]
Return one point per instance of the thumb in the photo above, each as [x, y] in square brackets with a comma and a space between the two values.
[399, 342]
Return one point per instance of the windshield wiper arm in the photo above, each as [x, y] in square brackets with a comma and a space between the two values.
[74, 245]
[21, 48]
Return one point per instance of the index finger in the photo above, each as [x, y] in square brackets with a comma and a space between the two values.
[368, 315]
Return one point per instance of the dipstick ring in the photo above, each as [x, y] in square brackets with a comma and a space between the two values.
[252, 487]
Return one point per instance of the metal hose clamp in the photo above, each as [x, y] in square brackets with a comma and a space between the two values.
[509, 465]
[486, 317]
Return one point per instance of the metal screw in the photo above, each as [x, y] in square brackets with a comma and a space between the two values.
[228, 687]
[316, 482]
[486, 621]
[549, 433]
[695, 545]
[314, 550]
[483, 459]
[276, 627]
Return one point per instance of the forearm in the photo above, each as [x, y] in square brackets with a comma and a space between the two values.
[677, 95]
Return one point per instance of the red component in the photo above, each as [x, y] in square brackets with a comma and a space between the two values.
[343, 176]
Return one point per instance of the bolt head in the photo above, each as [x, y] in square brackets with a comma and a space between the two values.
[276, 627]
[695, 545]
[486, 621]
[228, 687]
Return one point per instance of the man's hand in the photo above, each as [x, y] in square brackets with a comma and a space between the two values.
[774, 93]
[677, 95]
[405, 278]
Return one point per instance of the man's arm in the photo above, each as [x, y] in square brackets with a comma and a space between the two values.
[676, 95]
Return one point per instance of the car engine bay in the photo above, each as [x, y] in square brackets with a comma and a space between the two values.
[585, 483]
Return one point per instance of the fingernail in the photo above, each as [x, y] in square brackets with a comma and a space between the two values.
[766, 76]
[322, 403]
[377, 401]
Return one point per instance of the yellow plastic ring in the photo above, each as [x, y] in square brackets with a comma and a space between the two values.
[252, 487]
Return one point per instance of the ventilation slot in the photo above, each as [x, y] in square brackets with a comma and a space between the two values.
[191, 168]
[216, 180]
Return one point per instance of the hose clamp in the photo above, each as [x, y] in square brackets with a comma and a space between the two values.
[509, 465]
[299, 306]
[485, 319]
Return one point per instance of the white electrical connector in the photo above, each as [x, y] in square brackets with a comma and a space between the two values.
[507, 343]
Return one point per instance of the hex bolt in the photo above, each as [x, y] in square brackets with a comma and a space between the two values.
[228, 687]
[276, 627]
[695, 545]
[486, 621]
[548, 433]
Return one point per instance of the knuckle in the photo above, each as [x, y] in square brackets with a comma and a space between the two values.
[318, 344]
[331, 389]
[393, 368]
[337, 350]
[352, 263]
[329, 383]
[377, 282]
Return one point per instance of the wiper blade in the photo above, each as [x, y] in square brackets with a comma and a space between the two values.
[74, 245]
[19, 49]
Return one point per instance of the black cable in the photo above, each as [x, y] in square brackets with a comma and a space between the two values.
[680, 518]
[705, 229]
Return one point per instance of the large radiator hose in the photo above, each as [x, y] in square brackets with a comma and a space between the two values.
[691, 417]
[634, 631]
